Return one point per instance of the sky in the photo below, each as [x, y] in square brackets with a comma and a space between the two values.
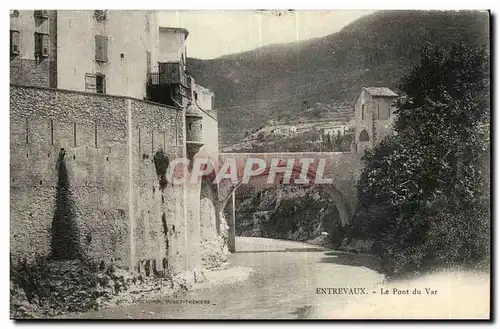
[216, 33]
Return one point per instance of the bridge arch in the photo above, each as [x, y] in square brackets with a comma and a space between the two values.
[342, 169]
[340, 201]
[343, 207]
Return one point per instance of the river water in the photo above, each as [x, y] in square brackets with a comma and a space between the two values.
[282, 284]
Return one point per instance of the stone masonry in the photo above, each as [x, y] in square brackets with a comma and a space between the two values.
[87, 180]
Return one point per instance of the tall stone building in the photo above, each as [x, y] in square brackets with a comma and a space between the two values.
[373, 116]
[101, 103]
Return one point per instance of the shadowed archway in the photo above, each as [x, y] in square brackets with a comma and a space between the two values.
[344, 209]
[363, 136]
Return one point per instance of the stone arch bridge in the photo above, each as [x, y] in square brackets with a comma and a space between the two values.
[337, 172]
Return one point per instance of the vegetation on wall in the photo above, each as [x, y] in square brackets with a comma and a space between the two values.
[424, 194]
[65, 238]
[161, 164]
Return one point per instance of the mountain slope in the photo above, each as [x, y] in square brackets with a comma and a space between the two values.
[375, 50]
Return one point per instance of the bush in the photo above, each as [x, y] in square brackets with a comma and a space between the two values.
[338, 234]
[47, 287]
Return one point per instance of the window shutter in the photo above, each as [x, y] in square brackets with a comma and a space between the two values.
[45, 45]
[101, 48]
[90, 82]
[98, 48]
[37, 43]
[105, 48]
[14, 42]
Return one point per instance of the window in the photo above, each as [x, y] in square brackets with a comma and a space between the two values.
[363, 112]
[14, 13]
[195, 95]
[42, 13]
[101, 48]
[384, 111]
[100, 83]
[363, 136]
[14, 42]
[42, 45]
[190, 126]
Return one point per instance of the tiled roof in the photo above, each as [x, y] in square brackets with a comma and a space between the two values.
[380, 91]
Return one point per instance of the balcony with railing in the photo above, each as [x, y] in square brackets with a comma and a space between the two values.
[159, 78]
[169, 73]
[171, 81]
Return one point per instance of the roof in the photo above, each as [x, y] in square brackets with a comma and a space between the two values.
[203, 90]
[377, 92]
[175, 30]
[380, 91]
[193, 111]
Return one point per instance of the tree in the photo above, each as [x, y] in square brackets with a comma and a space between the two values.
[328, 143]
[422, 193]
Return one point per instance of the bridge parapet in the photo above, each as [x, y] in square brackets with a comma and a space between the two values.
[320, 165]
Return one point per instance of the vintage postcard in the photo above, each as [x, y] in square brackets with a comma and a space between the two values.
[258, 164]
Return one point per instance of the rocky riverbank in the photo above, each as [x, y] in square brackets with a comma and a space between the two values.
[53, 288]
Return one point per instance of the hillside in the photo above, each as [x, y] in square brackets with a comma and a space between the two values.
[315, 128]
[281, 81]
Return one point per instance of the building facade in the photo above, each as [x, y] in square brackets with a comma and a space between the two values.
[117, 52]
[106, 52]
[33, 47]
[92, 132]
[204, 100]
[373, 115]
